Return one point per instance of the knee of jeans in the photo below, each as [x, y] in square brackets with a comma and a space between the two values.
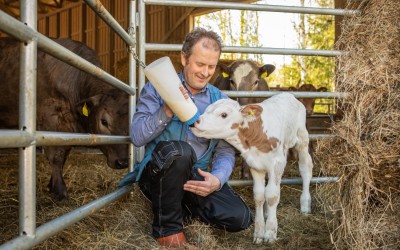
[240, 222]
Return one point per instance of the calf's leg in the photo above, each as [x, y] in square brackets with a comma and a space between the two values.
[259, 199]
[272, 197]
[305, 167]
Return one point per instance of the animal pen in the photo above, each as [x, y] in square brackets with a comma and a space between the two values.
[26, 139]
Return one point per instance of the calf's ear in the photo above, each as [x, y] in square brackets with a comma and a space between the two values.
[322, 89]
[251, 111]
[85, 107]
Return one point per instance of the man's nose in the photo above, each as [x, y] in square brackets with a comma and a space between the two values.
[205, 71]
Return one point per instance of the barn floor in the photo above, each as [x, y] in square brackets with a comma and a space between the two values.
[126, 224]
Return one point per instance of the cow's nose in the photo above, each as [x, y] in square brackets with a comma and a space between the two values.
[122, 163]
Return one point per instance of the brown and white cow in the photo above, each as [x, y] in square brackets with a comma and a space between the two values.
[244, 75]
[68, 100]
[309, 103]
[263, 133]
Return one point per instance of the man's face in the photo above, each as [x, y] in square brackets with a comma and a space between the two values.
[200, 66]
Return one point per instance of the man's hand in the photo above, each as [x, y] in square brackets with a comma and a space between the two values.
[203, 188]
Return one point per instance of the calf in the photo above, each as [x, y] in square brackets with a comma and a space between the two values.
[68, 100]
[244, 75]
[263, 133]
[308, 103]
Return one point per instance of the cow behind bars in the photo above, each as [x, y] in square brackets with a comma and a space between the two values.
[68, 100]
[263, 133]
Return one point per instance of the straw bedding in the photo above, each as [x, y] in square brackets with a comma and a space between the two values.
[365, 154]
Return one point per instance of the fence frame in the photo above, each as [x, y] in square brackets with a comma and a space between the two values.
[27, 138]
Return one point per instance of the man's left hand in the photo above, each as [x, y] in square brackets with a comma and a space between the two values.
[203, 188]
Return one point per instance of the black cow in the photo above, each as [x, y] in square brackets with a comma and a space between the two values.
[68, 100]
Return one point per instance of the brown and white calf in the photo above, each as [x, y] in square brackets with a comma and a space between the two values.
[263, 133]
[244, 75]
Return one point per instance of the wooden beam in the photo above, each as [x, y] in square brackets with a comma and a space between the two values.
[179, 22]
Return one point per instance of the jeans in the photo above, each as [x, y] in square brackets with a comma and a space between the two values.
[162, 182]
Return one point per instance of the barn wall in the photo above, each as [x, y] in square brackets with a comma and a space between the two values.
[79, 22]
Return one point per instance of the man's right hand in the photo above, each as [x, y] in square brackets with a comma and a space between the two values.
[168, 111]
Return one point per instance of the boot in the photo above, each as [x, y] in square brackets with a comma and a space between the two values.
[175, 241]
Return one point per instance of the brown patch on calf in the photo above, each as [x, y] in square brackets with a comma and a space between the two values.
[253, 135]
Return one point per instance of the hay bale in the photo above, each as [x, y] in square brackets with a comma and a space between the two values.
[365, 154]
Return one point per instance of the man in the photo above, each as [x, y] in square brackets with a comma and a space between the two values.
[174, 173]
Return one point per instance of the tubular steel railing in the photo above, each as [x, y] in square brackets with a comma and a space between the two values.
[27, 138]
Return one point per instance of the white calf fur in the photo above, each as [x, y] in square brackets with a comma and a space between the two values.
[263, 133]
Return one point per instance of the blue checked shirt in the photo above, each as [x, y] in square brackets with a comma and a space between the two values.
[150, 120]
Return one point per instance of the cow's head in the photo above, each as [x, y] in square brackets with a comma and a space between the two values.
[108, 114]
[246, 75]
[309, 103]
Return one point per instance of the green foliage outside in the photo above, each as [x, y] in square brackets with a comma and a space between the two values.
[319, 31]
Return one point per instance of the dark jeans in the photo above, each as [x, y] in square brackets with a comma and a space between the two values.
[162, 182]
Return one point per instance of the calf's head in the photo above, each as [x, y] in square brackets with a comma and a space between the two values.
[108, 114]
[246, 75]
[242, 126]
[217, 120]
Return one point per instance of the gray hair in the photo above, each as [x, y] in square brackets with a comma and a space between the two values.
[197, 34]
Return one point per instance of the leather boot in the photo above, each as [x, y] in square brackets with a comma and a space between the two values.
[175, 241]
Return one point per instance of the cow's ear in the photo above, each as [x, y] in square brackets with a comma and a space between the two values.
[266, 70]
[322, 89]
[291, 88]
[86, 106]
[225, 70]
[251, 111]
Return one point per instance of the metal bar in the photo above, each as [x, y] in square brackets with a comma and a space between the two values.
[110, 20]
[27, 122]
[44, 138]
[286, 181]
[53, 227]
[255, 7]
[15, 138]
[315, 137]
[327, 95]
[139, 152]
[252, 50]
[16, 29]
[132, 75]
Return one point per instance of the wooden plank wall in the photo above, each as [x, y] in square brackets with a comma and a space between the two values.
[164, 24]
[79, 22]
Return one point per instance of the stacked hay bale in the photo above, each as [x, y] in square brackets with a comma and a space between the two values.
[365, 153]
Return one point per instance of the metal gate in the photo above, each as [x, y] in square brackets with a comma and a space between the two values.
[26, 138]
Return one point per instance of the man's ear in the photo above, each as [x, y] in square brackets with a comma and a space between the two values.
[183, 59]
[85, 107]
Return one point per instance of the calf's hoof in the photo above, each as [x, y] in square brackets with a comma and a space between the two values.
[270, 236]
[258, 240]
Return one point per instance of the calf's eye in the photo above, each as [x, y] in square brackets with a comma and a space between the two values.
[224, 115]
